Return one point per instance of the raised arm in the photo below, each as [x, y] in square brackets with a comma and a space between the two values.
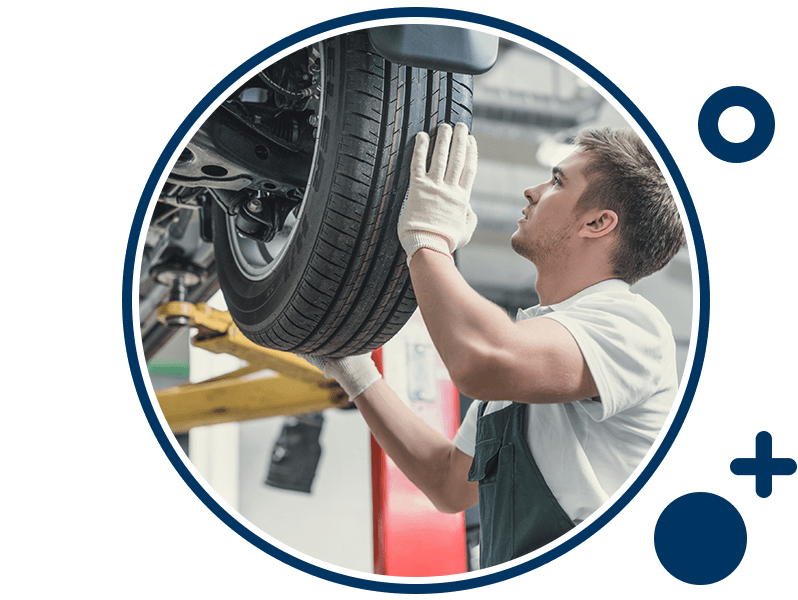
[488, 355]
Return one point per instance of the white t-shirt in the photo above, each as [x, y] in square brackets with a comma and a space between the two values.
[585, 450]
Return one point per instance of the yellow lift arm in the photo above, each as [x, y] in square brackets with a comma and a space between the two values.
[298, 387]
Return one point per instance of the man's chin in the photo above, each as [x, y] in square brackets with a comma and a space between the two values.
[517, 245]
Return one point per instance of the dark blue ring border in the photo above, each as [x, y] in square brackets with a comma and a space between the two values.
[130, 327]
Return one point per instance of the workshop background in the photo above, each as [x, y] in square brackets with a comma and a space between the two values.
[526, 109]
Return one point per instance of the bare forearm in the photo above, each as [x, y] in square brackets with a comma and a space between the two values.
[427, 457]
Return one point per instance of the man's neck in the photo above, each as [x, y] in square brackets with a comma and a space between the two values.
[554, 285]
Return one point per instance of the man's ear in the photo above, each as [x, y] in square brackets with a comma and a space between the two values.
[598, 223]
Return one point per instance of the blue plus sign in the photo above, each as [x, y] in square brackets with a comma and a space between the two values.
[764, 466]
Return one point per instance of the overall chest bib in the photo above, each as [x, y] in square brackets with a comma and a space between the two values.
[517, 510]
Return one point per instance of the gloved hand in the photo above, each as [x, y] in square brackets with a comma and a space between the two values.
[437, 210]
[354, 373]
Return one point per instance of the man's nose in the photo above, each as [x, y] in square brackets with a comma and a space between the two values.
[532, 195]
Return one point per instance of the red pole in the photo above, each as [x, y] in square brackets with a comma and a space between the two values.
[411, 538]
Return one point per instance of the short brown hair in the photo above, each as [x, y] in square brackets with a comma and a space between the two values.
[624, 177]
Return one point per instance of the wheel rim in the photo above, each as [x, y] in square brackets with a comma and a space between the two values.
[254, 259]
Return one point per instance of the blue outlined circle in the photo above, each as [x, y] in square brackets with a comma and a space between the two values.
[131, 326]
[719, 146]
[700, 538]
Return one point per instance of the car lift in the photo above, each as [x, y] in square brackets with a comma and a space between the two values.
[411, 538]
[296, 387]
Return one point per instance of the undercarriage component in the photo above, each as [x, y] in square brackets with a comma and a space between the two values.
[262, 216]
[227, 153]
[262, 137]
[179, 277]
[254, 153]
[437, 47]
[257, 215]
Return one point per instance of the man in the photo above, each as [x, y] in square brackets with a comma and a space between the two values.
[575, 390]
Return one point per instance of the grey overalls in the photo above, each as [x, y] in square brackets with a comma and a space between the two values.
[517, 510]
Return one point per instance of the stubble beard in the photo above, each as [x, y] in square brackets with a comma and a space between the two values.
[539, 251]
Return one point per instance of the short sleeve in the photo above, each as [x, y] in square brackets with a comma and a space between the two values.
[627, 344]
[466, 437]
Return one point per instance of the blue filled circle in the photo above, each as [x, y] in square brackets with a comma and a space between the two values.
[719, 146]
[130, 322]
[700, 538]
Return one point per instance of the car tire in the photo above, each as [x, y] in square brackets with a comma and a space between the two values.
[340, 285]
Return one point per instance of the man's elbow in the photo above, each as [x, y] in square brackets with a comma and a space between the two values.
[467, 380]
[448, 509]
[452, 505]
[477, 375]
[469, 384]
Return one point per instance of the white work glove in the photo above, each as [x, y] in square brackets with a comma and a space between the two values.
[437, 210]
[354, 373]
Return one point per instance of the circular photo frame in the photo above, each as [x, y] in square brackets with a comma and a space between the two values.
[605, 87]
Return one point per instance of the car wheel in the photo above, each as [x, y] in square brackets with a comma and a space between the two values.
[333, 281]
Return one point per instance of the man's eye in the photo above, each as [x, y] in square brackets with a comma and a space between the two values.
[556, 180]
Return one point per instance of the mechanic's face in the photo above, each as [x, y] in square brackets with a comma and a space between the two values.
[550, 221]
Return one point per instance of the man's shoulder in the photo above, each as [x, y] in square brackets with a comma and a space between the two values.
[615, 302]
